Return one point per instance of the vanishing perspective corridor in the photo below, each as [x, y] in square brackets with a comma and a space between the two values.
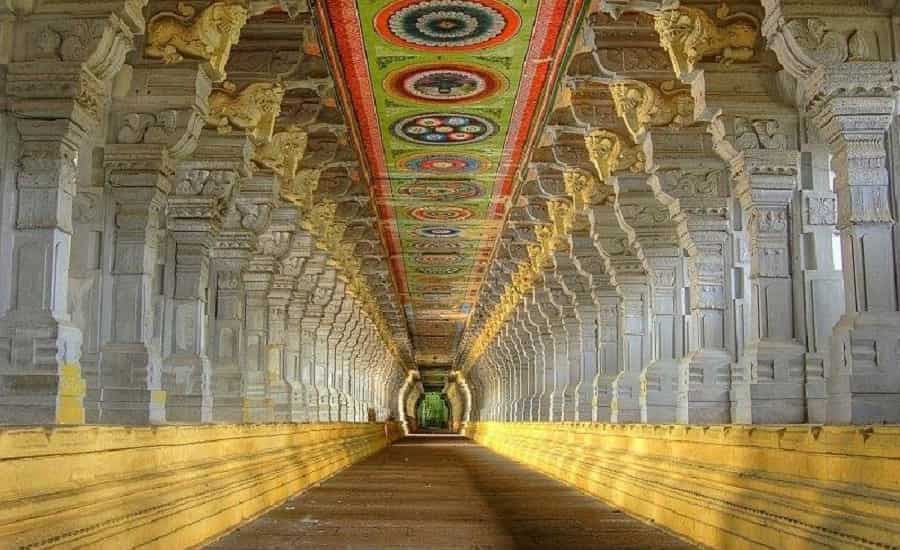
[444, 493]
[469, 274]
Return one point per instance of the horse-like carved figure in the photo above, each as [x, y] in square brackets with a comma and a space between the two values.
[254, 110]
[690, 35]
[174, 36]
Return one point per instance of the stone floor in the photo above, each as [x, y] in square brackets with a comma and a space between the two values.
[444, 492]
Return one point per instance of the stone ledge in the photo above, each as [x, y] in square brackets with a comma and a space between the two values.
[165, 486]
[736, 487]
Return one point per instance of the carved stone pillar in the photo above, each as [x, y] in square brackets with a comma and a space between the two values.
[57, 84]
[323, 298]
[850, 94]
[650, 227]
[769, 388]
[818, 277]
[539, 310]
[608, 353]
[258, 406]
[634, 348]
[277, 367]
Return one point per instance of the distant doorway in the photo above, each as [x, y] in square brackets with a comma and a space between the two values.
[433, 412]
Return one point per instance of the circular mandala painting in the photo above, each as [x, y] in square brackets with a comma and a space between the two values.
[444, 129]
[438, 259]
[441, 213]
[440, 190]
[444, 83]
[426, 163]
[447, 25]
[439, 232]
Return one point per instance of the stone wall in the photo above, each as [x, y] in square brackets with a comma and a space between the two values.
[729, 487]
[163, 487]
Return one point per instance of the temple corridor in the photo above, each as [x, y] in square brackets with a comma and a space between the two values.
[471, 274]
[443, 493]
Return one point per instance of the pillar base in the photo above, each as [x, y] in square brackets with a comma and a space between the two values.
[864, 382]
[659, 392]
[132, 406]
[625, 406]
[768, 384]
[603, 392]
[704, 380]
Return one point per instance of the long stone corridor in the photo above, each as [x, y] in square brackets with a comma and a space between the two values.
[643, 256]
[439, 492]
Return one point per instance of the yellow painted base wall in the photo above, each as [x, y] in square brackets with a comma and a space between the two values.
[166, 487]
[730, 487]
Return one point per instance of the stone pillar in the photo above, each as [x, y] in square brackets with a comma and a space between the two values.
[608, 353]
[277, 368]
[817, 273]
[769, 388]
[57, 97]
[323, 298]
[194, 218]
[258, 406]
[864, 385]
[634, 348]
[546, 356]
[851, 95]
[131, 366]
[653, 234]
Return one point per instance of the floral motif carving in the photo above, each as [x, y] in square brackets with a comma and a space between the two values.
[208, 36]
[690, 35]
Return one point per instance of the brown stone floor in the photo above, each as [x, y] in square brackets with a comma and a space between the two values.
[444, 492]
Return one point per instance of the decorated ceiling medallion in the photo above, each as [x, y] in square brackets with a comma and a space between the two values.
[444, 129]
[444, 83]
[441, 213]
[438, 259]
[438, 270]
[439, 232]
[445, 244]
[447, 25]
[441, 190]
[439, 164]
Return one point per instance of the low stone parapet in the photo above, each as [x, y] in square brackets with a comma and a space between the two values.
[162, 487]
[734, 487]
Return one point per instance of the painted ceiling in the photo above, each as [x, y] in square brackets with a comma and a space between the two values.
[447, 98]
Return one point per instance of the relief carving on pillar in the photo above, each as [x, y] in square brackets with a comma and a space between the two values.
[147, 128]
[209, 36]
[690, 35]
[764, 134]
[642, 106]
[253, 110]
[821, 210]
[829, 47]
